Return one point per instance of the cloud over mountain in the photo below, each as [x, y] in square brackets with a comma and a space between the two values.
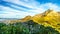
[22, 8]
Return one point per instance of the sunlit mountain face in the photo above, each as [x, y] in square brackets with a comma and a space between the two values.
[22, 8]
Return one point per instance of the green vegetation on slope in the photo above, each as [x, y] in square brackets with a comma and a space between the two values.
[28, 27]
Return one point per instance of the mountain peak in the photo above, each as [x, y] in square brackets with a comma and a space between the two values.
[26, 18]
[48, 11]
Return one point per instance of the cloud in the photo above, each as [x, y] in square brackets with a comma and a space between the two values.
[46, 6]
[37, 8]
[11, 13]
[27, 3]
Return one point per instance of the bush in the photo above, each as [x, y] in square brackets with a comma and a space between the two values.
[28, 27]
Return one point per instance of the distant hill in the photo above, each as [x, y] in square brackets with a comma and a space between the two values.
[8, 18]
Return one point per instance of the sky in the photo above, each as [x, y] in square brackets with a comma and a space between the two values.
[22, 8]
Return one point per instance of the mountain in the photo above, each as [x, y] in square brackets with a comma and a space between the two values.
[27, 18]
[48, 18]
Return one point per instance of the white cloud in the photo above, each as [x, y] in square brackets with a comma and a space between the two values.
[50, 6]
[11, 13]
[37, 8]
[27, 3]
[46, 6]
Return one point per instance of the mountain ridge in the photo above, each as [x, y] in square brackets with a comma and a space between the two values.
[48, 18]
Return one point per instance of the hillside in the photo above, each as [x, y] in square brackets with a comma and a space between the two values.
[48, 18]
[28, 27]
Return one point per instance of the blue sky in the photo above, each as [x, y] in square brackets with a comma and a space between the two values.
[22, 8]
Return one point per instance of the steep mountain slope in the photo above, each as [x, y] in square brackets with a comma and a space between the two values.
[48, 18]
